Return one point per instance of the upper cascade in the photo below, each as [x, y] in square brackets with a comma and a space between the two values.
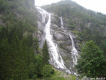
[61, 23]
[44, 13]
[55, 57]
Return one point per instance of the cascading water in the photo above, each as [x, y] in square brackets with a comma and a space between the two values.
[74, 51]
[55, 57]
[61, 23]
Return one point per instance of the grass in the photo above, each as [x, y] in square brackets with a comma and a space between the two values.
[73, 77]
[59, 75]
[58, 78]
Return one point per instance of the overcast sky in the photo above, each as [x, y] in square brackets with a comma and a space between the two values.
[96, 5]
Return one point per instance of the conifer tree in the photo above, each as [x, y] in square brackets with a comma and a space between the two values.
[36, 44]
[92, 63]
[45, 54]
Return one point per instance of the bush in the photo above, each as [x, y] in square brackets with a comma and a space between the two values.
[34, 77]
[47, 71]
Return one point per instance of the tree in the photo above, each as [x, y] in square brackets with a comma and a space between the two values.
[38, 65]
[92, 63]
[47, 71]
[45, 54]
[36, 44]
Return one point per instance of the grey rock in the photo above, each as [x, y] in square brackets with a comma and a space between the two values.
[61, 38]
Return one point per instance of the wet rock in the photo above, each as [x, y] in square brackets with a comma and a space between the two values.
[61, 38]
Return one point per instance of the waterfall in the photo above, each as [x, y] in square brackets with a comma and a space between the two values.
[74, 51]
[44, 14]
[61, 23]
[55, 58]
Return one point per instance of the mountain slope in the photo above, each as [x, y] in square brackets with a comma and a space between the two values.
[21, 24]
[17, 24]
[87, 24]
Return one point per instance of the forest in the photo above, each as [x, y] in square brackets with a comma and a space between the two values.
[17, 44]
[20, 55]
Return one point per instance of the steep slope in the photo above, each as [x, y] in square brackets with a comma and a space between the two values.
[18, 28]
[86, 24]
[63, 54]
[13, 11]
[20, 23]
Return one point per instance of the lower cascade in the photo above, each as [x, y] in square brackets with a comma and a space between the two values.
[74, 51]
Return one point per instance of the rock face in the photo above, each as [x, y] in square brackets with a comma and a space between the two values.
[60, 37]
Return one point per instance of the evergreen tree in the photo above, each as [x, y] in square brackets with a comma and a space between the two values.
[45, 53]
[36, 44]
[38, 65]
[47, 71]
[92, 63]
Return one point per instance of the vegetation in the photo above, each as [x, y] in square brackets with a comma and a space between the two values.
[59, 75]
[19, 14]
[17, 45]
[47, 71]
[92, 63]
[19, 51]
[87, 24]
[45, 54]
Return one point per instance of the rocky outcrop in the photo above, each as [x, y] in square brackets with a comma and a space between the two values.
[60, 37]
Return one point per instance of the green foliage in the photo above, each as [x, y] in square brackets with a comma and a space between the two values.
[58, 78]
[17, 61]
[73, 77]
[68, 8]
[16, 53]
[17, 58]
[34, 77]
[90, 25]
[45, 54]
[47, 71]
[38, 65]
[103, 46]
[31, 70]
[36, 44]
[19, 13]
[92, 63]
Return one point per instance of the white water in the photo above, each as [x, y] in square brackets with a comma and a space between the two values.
[55, 57]
[61, 23]
[44, 14]
[74, 52]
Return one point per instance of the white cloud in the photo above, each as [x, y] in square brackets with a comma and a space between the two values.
[96, 5]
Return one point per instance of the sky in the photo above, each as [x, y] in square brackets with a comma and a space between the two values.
[95, 5]
[44, 2]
